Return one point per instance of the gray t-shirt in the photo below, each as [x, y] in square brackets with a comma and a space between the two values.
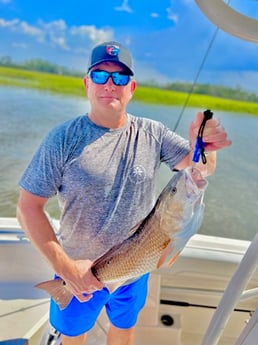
[104, 178]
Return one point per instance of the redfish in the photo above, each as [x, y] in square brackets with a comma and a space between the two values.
[159, 238]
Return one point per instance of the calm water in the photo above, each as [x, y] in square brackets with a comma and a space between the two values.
[231, 198]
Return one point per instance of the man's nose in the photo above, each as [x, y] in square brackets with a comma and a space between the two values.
[109, 83]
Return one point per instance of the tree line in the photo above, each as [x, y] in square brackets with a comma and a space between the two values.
[39, 65]
[215, 90]
[203, 89]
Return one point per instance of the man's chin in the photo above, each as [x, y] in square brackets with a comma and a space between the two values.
[110, 102]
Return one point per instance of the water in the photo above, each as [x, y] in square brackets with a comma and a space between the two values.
[231, 198]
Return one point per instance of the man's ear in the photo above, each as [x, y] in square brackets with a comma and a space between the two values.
[133, 86]
[85, 82]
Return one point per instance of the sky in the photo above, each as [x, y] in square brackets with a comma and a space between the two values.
[169, 39]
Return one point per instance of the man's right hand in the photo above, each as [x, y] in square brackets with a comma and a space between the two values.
[81, 281]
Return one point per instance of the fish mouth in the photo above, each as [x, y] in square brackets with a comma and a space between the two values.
[194, 183]
[201, 184]
[197, 178]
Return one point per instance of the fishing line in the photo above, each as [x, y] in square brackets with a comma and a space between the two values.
[214, 36]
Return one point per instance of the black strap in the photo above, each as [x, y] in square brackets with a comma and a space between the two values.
[200, 143]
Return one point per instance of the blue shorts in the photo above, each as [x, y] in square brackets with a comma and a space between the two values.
[122, 308]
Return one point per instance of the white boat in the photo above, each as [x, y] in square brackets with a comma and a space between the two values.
[209, 296]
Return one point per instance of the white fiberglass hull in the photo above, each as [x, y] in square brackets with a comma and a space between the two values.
[182, 299]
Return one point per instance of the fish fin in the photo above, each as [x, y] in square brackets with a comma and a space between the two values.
[58, 291]
[113, 286]
[134, 229]
[165, 253]
[173, 259]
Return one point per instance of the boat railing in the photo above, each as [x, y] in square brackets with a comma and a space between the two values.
[233, 293]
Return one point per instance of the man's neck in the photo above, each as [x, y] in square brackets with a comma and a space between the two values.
[108, 120]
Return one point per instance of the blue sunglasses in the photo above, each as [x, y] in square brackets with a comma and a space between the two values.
[101, 77]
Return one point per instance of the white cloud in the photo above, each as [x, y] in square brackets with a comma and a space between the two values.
[56, 25]
[124, 7]
[92, 33]
[58, 34]
[22, 27]
[55, 33]
[8, 23]
[30, 30]
[171, 15]
[154, 15]
[60, 42]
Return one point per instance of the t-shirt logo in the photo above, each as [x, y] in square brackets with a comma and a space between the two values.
[112, 50]
[137, 175]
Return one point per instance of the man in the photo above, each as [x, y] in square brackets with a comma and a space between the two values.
[103, 167]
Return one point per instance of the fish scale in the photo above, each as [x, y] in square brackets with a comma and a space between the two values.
[127, 262]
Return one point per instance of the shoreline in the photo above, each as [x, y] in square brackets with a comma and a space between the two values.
[68, 85]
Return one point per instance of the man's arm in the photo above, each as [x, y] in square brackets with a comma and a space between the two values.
[76, 273]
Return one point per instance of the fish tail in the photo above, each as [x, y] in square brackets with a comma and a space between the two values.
[57, 289]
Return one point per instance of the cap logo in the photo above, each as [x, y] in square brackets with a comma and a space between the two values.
[112, 50]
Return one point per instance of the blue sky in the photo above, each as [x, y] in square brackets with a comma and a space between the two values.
[168, 38]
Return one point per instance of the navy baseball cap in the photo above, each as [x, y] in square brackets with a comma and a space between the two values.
[111, 52]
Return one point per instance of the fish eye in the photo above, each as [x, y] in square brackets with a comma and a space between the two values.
[174, 190]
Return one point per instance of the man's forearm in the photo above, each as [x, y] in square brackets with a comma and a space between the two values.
[41, 233]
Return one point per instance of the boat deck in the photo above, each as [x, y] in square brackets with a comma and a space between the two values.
[181, 300]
